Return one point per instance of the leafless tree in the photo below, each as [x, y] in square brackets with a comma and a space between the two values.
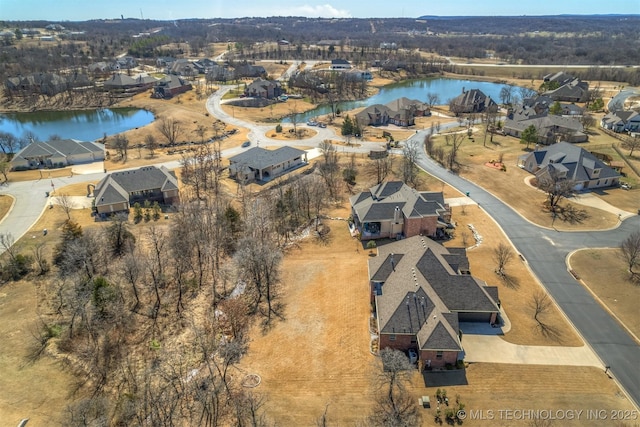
[171, 129]
[502, 255]
[329, 168]
[151, 144]
[322, 420]
[118, 236]
[453, 140]
[631, 143]
[66, 203]
[121, 145]
[630, 251]
[394, 404]
[39, 256]
[587, 121]
[293, 117]
[201, 131]
[8, 143]
[489, 117]
[7, 242]
[557, 188]
[432, 99]
[409, 162]
[541, 304]
[382, 167]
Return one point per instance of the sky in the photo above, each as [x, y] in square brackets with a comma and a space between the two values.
[81, 10]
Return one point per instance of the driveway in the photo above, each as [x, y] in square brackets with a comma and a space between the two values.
[545, 252]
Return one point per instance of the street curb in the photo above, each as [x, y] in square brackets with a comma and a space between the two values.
[13, 203]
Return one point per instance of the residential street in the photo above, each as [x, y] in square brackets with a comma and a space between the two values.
[544, 250]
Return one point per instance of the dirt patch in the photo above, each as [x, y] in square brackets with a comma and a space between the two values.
[605, 274]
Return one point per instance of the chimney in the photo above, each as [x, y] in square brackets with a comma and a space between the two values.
[393, 263]
[396, 215]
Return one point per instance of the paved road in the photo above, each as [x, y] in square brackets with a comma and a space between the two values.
[545, 251]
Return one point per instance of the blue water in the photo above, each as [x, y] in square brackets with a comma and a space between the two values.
[85, 125]
[446, 89]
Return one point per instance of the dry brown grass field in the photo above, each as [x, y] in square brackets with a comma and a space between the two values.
[6, 202]
[604, 273]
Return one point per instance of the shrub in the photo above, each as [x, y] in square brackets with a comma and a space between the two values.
[278, 128]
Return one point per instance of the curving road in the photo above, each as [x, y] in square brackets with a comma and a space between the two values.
[545, 251]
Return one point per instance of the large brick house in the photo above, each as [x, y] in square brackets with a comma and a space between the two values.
[472, 101]
[393, 209]
[421, 292]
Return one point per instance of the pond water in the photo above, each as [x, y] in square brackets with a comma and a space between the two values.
[84, 125]
[446, 89]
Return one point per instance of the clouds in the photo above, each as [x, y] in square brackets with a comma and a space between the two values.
[321, 10]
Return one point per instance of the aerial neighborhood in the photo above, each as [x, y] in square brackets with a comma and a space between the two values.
[320, 221]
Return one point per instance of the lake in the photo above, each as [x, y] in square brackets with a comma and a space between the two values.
[446, 89]
[84, 125]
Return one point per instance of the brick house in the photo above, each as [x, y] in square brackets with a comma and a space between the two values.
[393, 209]
[259, 164]
[421, 292]
[472, 101]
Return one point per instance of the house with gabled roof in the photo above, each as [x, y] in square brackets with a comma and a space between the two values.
[118, 191]
[340, 64]
[472, 101]
[259, 164]
[421, 292]
[621, 121]
[262, 88]
[169, 86]
[566, 161]
[57, 153]
[550, 128]
[399, 112]
[393, 210]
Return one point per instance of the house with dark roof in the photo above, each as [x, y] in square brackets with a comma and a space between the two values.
[340, 64]
[261, 88]
[169, 86]
[566, 161]
[399, 112]
[550, 128]
[393, 209]
[57, 153]
[259, 164]
[249, 70]
[621, 121]
[118, 191]
[471, 101]
[421, 292]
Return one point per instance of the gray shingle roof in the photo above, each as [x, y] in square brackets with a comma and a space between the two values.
[259, 158]
[117, 186]
[576, 160]
[380, 201]
[59, 147]
[424, 293]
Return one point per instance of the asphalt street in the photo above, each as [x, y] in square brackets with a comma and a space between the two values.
[545, 251]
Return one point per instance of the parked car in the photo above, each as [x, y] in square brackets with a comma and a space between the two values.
[322, 125]
[246, 144]
[312, 123]
[625, 186]
[413, 356]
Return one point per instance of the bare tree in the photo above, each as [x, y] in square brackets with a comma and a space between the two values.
[66, 203]
[394, 404]
[171, 129]
[151, 144]
[631, 143]
[40, 258]
[557, 188]
[382, 168]
[630, 251]
[409, 162]
[121, 145]
[8, 143]
[541, 303]
[454, 140]
[432, 99]
[201, 132]
[328, 167]
[502, 255]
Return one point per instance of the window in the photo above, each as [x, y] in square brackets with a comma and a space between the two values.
[392, 337]
[438, 355]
